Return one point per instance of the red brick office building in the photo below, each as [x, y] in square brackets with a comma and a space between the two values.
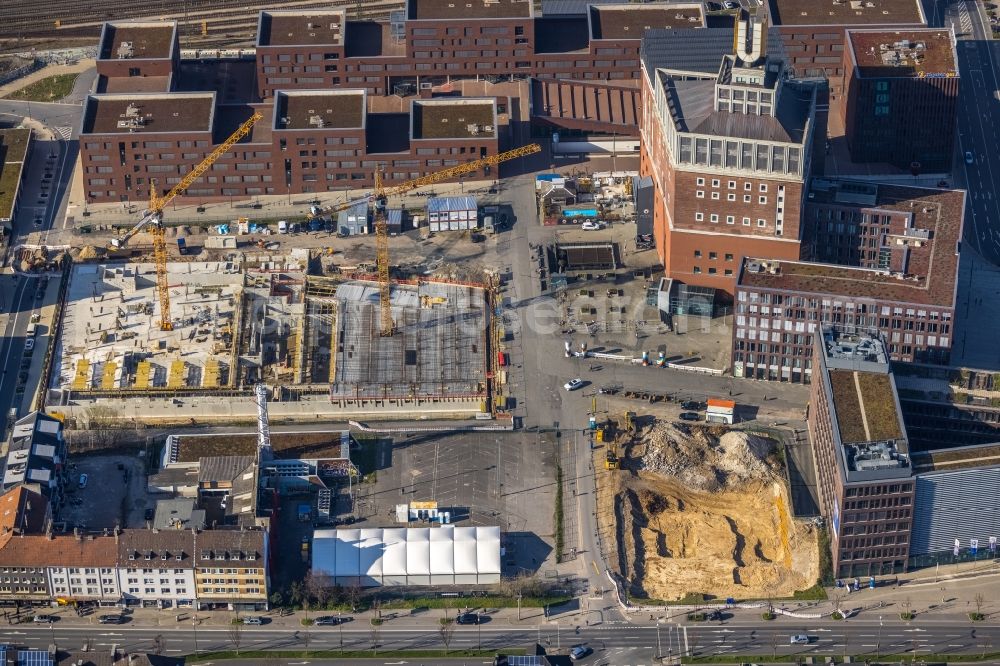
[439, 41]
[728, 155]
[813, 31]
[308, 141]
[901, 97]
[865, 477]
[897, 252]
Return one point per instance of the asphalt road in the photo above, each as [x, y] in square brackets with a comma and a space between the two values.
[16, 296]
[47, 113]
[978, 126]
[41, 200]
[607, 641]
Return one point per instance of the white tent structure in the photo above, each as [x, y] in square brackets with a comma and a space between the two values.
[446, 555]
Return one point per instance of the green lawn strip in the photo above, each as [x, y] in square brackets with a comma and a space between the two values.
[883, 660]
[347, 654]
[49, 89]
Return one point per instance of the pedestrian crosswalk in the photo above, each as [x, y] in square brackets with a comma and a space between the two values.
[64, 133]
[964, 19]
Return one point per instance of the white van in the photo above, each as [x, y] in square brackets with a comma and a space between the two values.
[282, 226]
[32, 329]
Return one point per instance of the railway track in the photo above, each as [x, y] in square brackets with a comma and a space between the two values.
[230, 23]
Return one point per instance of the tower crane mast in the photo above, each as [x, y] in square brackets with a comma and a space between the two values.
[152, 217]
[380, 196]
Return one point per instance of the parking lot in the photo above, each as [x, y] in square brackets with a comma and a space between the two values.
[480, 478]
[114, 495]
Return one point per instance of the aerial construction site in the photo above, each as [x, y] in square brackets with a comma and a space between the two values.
[314, 339]
[699, 512]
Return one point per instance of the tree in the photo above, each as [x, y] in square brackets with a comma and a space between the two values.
[236, 633]
[373, 635]
[296, 593]
[158, 644]
[906, 604]
[306, 624]
[447, 632]
[317, 588]
[353, 593]
[979, 600]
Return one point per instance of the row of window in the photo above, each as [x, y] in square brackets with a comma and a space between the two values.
[716, 196]
[713, 255]
[712, 271]
[730, 219]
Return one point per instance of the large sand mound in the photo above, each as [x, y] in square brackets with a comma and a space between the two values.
[708, 514]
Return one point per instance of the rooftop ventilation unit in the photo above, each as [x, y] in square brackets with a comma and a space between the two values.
[125, 50]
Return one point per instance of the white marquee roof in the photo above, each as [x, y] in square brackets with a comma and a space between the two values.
[407, 551]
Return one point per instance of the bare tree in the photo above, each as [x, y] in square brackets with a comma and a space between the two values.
[306, 625]
[353, 594]
[447, 632]
[838, 597]
[158, 644]
[906, 605]
[373, 635]
[979, 600]
[236, 633]
[318, 588]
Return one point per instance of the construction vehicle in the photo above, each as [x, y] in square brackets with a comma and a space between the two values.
[152, 217]
[379, 197]
[629, 422]
[611, 460]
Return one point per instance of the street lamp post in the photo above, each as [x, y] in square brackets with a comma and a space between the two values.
[659, 646]
[878, 641]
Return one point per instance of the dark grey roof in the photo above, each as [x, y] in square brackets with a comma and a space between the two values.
[222, 468]
[554, 7]
[695, 51]
[177, 513]
[693, 104]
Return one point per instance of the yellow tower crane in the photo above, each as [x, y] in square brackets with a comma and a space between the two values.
[152, 217]
[380, 196]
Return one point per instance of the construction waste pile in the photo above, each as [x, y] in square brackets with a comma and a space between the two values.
[701, 461]
[701, 512]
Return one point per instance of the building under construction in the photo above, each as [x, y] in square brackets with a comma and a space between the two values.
[315, 340]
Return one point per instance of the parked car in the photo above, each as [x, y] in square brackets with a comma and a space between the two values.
[29, 344]
[573, 384]
[590, 225]
[149, 514]
[255, 620]
[467, 618]
[44, 619]
[111, 619]
[690, 416]
[969, 159]
[332, 620]
[691, 404]
[579, 652]
[83, 480]
[798, 639]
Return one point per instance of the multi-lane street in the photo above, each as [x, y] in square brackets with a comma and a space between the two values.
[978, 126]
[618, 644]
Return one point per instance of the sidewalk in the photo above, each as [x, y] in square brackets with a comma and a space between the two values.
[861, 606]
[295, 207]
